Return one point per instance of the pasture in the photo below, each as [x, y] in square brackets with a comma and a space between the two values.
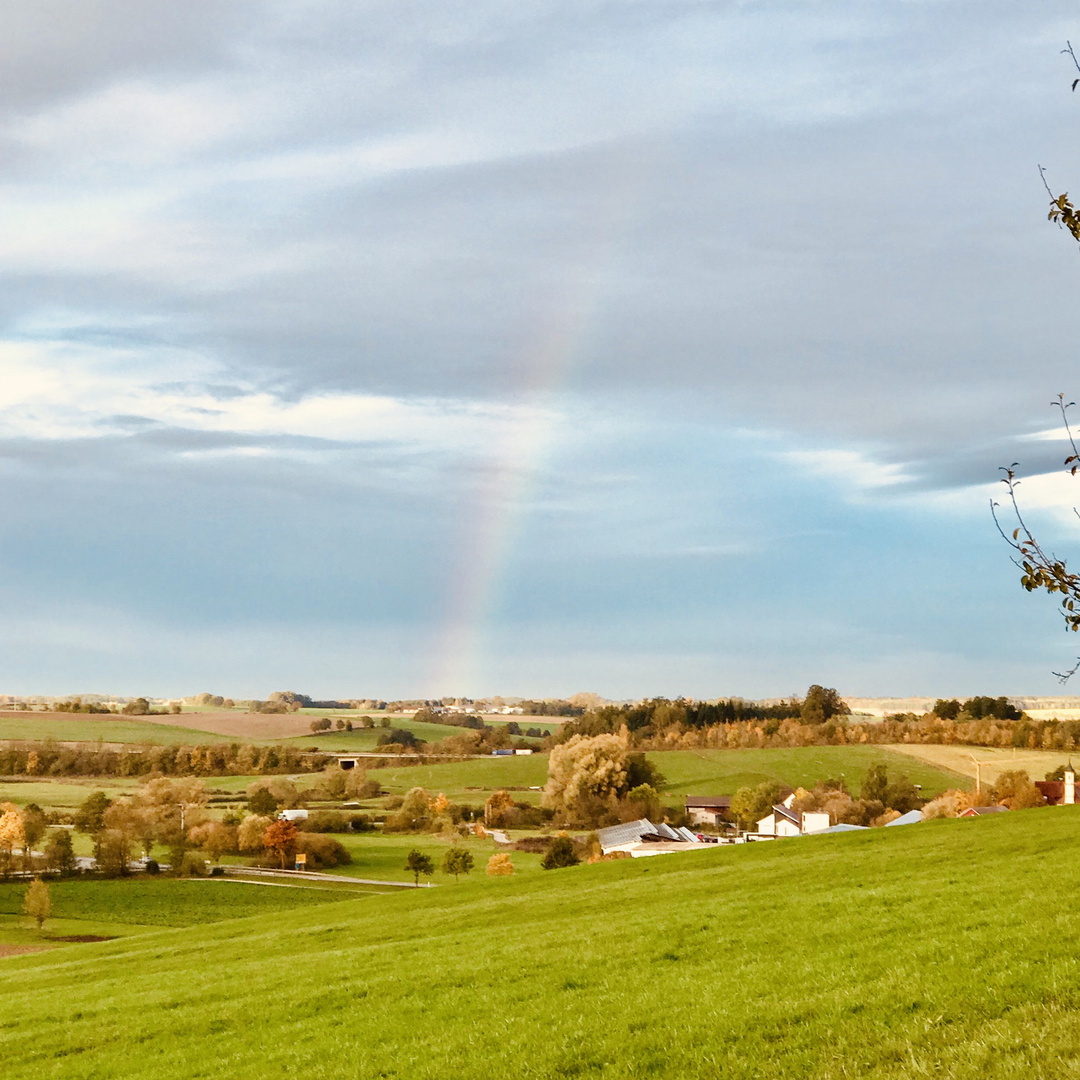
[120, 908]
[381, 856]
[686, 772]
[94, 728]
[928, 951]
[723, 772]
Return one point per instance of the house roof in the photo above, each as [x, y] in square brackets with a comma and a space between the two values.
[842, 827]
[784, 812]
[910, 818]
[978, 811]
[615, 835]
[708, 802]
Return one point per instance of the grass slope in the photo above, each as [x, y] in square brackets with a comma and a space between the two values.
[723, 772]
[109, 729]
[686, 772]
[946, 949]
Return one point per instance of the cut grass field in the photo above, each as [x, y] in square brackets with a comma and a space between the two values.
[936, 950]
[124, 907]
[66, 727]
[723, 772]
[1036, 763]
[686, 772]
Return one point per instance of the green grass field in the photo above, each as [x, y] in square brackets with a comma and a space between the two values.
[723, 772]
[383, 857]
[686, 772]
[108, 729]
[946, 949]
[126, 907]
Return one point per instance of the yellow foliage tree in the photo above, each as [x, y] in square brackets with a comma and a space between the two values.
[584, 772]
[37, 903]
[12, 836]
[499, 865]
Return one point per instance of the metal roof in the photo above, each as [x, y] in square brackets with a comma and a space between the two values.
[910, 818]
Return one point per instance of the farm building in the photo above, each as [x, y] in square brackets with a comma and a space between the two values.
[1059, 792]
[979, 811]
[910, 818]
[640, 838]
[783, 821]
[708, 809]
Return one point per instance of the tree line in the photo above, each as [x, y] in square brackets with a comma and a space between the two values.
[49, 758]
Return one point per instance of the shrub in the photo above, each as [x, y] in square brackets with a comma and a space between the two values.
[499, 865]
[322, 851]
[153, 867]
[192, 865]
[325, 821]
[560, 853]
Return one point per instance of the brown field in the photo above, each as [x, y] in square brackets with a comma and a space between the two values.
[958, 759]
[254, 726]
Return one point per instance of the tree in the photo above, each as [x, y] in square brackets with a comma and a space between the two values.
[60, 853]
[34, 826]
[822, 704]
[457, 861]
[90, 817]
[280, 837]
[560, 853]
[37, 903]
[215, 838]
[946, 709]
[875, 783]
[499, 865]
[1039, 569]
[418, 863]
[12, 837]
[498, 804]
[251, 834]
[262, 802]
[586, 773]
[750, 805]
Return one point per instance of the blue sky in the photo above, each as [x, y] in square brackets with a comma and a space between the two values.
[639, 347]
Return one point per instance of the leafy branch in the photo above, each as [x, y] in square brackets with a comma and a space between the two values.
[1039, 568]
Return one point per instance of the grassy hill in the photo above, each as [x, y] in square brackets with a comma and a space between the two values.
[65, 727]
[686, 772]
[946, 949]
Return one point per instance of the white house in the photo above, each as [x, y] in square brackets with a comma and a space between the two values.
[783, 821]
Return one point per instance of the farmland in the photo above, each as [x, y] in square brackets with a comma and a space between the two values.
[67, 727]
[693, 772]
[888, 954]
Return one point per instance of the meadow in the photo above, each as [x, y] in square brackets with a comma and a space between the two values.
[932, 950]
[90, 728]
[120, 908]
[995, 760]
[686, 772]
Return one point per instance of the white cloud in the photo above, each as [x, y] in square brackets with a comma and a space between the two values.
[851, 467]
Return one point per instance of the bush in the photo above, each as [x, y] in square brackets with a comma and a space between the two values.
[322, 851]
[153, 867]
[361, 823]
[325, 821]
[499, 865]
[560, 853]
[192, 865]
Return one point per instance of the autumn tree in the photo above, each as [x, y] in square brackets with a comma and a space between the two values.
[251, 834]
[280, 837]
[586, 775]
[36, 903]
[215, 838]
[457, 861]
[89, 818]
[12, 837]
[500, 865]
[417, 863]
[498, 804]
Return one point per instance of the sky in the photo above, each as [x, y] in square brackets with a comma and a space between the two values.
[645, 347]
